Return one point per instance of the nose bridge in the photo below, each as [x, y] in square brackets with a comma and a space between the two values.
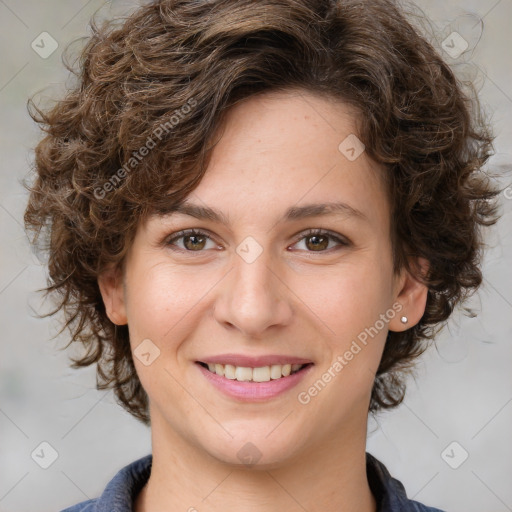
[253, 279]
[253, 297]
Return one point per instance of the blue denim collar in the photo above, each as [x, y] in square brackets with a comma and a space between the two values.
[122, 490]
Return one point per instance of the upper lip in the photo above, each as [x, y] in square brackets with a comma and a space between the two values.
[254, 361]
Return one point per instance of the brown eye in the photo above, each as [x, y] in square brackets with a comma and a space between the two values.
[191, 241]
[317, 242]
[194, 242]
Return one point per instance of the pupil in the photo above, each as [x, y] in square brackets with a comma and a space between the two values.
[194, 246]
[320, 245]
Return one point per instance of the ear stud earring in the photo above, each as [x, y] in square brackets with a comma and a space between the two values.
[404, 319]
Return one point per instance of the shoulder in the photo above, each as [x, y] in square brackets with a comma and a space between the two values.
[390, 492]
[415, 506]
[84, 506]
[120, 491]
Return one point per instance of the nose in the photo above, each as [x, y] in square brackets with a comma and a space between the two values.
[253, 298]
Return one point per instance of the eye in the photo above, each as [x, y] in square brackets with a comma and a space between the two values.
[315, 240]
[318, 240]
[193, 240]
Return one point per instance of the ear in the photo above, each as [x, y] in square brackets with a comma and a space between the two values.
[111, 287]
[411, 294]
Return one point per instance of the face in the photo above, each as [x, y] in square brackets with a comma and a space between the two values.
[269, 281]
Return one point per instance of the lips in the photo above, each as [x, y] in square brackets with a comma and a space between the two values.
[253, 361]
[254, 378]
[253, 368]
[253, 384]
[258, 374]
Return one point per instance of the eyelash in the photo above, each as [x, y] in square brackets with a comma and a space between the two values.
[308, 233]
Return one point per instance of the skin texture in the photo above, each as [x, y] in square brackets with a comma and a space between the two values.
[277, 150]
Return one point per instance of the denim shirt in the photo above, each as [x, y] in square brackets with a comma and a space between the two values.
[122, 490]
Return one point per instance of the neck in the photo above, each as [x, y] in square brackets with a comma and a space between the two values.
[330, 477]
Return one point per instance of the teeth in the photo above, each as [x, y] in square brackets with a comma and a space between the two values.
[229, 371]
[242, 373]
[275, 371]
[260, 374]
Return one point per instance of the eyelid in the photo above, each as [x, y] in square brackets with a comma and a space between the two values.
[188, 232]
[341, 240]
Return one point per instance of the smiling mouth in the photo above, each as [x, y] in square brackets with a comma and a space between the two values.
[248, 374]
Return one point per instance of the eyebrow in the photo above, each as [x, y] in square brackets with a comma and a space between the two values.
[293, 213]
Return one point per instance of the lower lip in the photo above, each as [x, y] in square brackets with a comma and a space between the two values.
[254, 391]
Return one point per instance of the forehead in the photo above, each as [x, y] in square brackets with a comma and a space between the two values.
[280, 152]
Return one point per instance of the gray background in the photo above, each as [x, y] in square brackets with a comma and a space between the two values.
[462, 391]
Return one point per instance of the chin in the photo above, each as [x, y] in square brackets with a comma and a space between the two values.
[255, 453]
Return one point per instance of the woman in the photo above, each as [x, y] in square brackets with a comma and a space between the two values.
[258, 215]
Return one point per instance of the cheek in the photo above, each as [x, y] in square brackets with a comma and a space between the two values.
[348, 298]
[159, 297]
[350, 308]
[162, 303]
[350, 303]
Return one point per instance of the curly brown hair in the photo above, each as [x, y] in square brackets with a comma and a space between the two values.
[166, 76]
